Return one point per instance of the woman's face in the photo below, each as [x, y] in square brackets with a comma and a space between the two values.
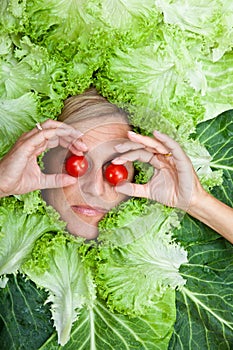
[84, 204]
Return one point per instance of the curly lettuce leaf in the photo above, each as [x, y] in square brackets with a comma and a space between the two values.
[138, 249]
[124, 14]
[31, 68]
[57, 266]
[60, 24]
[151, 262]
[211, 19]
[201, 160]
[218, 95]
[130, 221]
[19, 232]
[16, 116]
[163, 76]
[12, 15]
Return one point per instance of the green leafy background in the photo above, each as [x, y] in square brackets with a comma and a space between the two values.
[204, 306]
[169, 73]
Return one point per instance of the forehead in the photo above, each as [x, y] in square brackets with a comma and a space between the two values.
[100, 129]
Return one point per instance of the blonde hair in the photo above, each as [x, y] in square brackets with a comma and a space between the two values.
[89, 104]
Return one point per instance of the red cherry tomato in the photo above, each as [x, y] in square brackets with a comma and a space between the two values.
[76, 165]
[115, 173]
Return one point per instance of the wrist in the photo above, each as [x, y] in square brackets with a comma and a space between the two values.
[198, 202]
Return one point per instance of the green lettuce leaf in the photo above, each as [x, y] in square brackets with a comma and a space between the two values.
[169, 63]
[12, 15]
[57, 266]
[122, 15]
[130, 221]
[6, 46]
[52, 78]
[60, 24]
[138, 250]
[211, 19]
[163, 76]
[202, 160]
[218, 94]
[16, 116]
[19, 232]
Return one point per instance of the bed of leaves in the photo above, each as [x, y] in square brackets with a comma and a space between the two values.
[172, 74]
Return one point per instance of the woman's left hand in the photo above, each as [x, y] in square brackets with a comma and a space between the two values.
[174, 182]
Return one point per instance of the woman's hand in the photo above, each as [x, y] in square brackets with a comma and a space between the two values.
[19, 170]
[174, 182]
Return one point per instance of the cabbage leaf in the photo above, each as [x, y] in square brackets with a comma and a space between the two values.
[204, 304]
[29, 324]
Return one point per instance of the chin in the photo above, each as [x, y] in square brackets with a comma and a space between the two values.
[89, 232]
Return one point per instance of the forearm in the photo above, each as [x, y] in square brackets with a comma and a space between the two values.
[214, 214]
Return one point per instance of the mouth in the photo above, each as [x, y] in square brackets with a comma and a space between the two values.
[88, 211]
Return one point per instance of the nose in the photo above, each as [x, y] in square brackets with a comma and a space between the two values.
[93, 183]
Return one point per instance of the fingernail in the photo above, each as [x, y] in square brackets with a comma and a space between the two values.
[132, 133]
[157, 133]
[119, 160]
[85, 147]
[82, 144]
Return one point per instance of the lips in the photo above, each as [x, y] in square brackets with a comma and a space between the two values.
[88, 211]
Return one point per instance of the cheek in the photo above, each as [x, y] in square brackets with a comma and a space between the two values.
[71, 192]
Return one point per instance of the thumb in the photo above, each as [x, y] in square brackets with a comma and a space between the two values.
[131, 189]
[58, 180]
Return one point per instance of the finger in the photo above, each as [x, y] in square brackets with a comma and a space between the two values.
[148, 142]
[51, 138]
[60, 129]
[140, 154]
[172, 146]
[66, 140]
[127, 146]
[56, 181]
[67, 137]
[133, 190]
[48, 124]
[156, 160]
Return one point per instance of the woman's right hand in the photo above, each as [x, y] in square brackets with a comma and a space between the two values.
[19, 170]
[174, 182]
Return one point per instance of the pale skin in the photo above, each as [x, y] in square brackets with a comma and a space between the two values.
[83, 204]
[20, 172]
[174, 182]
